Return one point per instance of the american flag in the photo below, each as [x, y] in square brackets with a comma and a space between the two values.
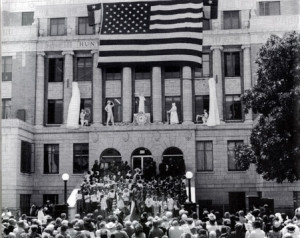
[152, 32]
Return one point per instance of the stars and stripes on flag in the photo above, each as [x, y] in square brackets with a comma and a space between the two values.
[210, 9]
[94, 14]
[154, 32]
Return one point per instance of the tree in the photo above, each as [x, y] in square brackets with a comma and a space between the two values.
[274, 140]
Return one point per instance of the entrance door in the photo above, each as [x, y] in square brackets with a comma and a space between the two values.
[141, 162]
[237, 201]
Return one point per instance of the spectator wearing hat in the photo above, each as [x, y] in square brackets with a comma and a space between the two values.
[128, 228]
[6, 213]
[102, 230]
[257, 231]
[175, 230]
[155, 230]
[211, 224]
[276, 230]
[34, 232]
[291, 229]
[119, 232]
[19, 229]
[138, 233]
[184, 226]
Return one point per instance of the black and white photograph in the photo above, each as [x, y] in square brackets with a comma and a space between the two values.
[150, 119]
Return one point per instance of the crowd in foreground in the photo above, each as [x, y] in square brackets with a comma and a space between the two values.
[256, 224]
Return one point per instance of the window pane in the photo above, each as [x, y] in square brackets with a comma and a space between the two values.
[231, 162]
[235, 21]
[209, 160]
[27, 18]
[231, 19]
[84, 69]
[172, 72]
[55, 112]
[6, 108]
[200, 160]
[227, 20]
[236, 63]
[81, 29]
[227, 62]
[81, 158]
[274, 8]
[113, 73]
[51, 159]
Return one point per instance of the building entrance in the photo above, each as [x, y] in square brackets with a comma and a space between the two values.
[142, 158]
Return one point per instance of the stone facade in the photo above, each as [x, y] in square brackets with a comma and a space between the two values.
[30, 47]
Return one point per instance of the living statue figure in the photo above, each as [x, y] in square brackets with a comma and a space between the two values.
[110, 115]
[173, 114]
[141, 103]
[83, 121]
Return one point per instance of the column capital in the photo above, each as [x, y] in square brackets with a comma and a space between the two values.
[247, 46]
[41, 53]
[94, 52]
[70, 52]
[216, 47]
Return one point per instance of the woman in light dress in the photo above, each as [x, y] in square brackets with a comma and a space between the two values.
[173, 114]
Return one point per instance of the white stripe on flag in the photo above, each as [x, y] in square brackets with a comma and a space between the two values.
[176, 6]
[170, 46]
[176, 16]
[195, 35]
[155, 58]
[176, 25]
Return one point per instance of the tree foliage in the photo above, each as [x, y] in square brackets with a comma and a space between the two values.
[274, 141]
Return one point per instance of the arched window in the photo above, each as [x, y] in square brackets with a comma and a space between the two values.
[110, 157]
[142, 158]
[173, 162]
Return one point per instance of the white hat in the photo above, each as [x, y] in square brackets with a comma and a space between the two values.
[211, 216]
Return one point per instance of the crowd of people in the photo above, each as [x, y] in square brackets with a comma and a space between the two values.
[116, 202]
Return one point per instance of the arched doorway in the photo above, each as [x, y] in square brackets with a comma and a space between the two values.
[109, 158]
[142, 158]
[172, 162]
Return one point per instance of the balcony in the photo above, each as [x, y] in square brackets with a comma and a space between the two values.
[277, 23]
[19, 33]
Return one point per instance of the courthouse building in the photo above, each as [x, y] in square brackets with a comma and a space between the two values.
[48, 44]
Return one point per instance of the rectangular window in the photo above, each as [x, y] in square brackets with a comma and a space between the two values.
[56, 70]
[27, 18]
[6, 108]
[168, 105]
[231, 20]
[269, 8]
[206, 24]
[201, 104]
[114, 73]
[6, 68]
[27, 157]
[84, 69]
[25, 203]
[57, 27]
[52, 198]
[147, 104]
[117, 109]
[142, 72]
[80, 158]
[233, 107]
[51, 159]
[86, 104]
[55, 112]
[172, 72]
[205, 70]
[204, 155]
[231, 145]
[84, 28]
[232, 64]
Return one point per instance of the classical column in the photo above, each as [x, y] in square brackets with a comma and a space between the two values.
[40, 89]
[97, 90]
[68, 79]
[187, 95]
[247, 74]
[156, 95]
[127, 94]
[217, 74]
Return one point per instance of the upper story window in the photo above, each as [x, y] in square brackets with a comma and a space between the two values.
[142, 72]
[172, 72]
[205, 70]
[84, 28]
[56, 69]
[55, 112]
[231, 146]
[6, 68]
[80, 158]
[231, 20]
[51, 159]
[27, 157]
[84, 69]
[114, 73]
[233, 107]
[204, 153]
[6, 108]
[232, 64]
[27, 18]
[206, 24]
[269, 8]
[57, 27]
